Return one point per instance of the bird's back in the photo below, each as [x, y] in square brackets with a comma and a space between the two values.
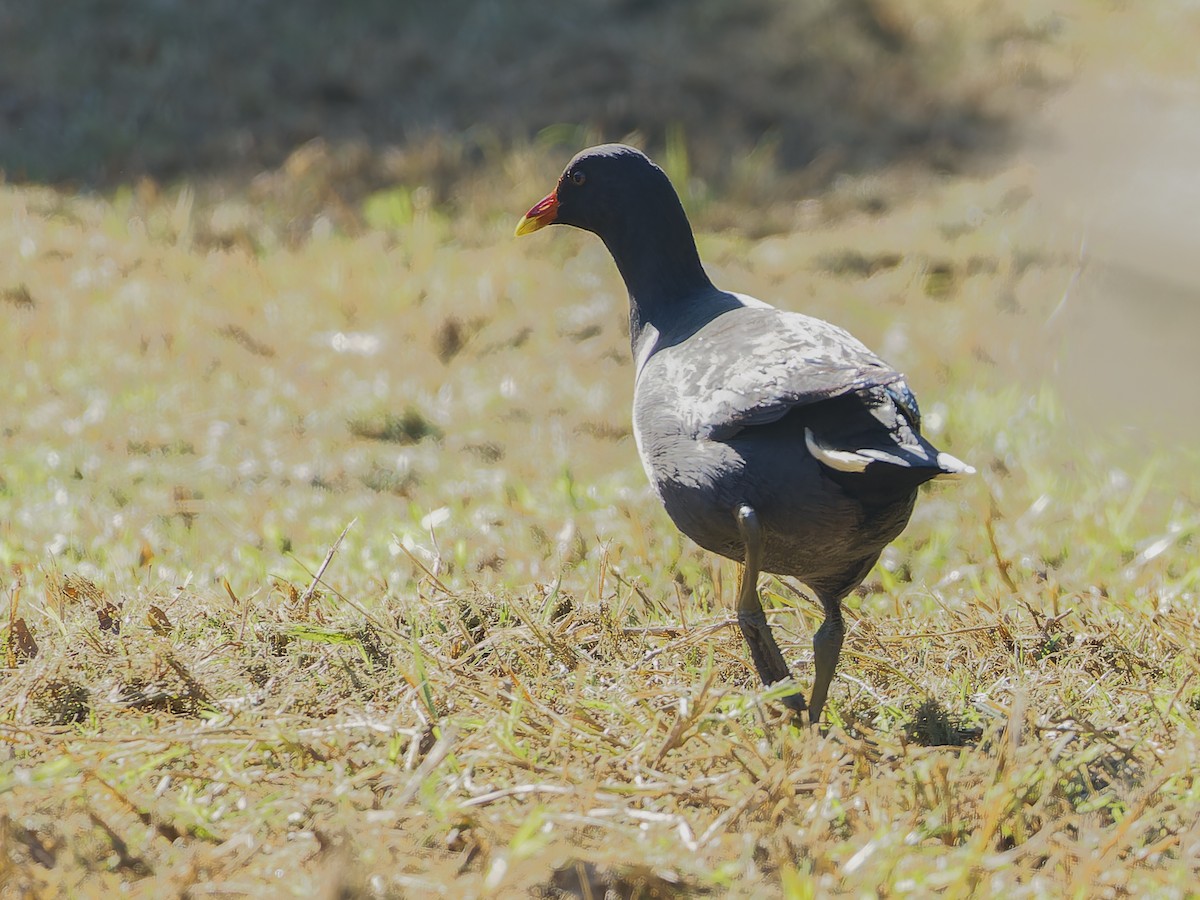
[721, 420]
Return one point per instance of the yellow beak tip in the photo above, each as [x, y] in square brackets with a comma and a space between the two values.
[542, 214]
[527, 225]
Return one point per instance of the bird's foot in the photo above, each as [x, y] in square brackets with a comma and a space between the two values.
[768, 660]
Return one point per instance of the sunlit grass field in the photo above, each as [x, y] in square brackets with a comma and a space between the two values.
[331, 569]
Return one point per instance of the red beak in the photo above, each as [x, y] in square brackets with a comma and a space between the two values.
[540, 216]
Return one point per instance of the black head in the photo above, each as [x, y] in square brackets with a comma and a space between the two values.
[617, 193]
[607, 190]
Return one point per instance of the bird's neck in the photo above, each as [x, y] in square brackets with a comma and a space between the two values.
[661, 269]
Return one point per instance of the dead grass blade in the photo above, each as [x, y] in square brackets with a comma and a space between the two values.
[306, 597]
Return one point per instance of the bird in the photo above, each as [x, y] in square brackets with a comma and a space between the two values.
[772, 438]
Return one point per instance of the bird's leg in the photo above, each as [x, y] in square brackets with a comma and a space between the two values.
[768, 660]
[827, 646]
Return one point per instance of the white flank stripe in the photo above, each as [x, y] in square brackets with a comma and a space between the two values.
[840, 460]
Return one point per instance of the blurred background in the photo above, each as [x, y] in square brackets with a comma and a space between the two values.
[755, 104]
[97, 93]
[256, 265]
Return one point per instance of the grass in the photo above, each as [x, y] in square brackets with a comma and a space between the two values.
[330, 568]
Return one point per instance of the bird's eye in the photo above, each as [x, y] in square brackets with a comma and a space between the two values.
[578, 177]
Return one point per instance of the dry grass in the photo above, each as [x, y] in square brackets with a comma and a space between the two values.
[512, 676]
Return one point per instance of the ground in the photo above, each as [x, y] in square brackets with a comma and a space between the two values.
[332, 570]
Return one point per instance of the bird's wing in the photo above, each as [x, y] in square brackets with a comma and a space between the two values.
[751, 366]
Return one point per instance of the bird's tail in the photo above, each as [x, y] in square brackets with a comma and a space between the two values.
[952, 467]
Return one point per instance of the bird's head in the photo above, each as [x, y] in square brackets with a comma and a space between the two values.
[603, 189]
